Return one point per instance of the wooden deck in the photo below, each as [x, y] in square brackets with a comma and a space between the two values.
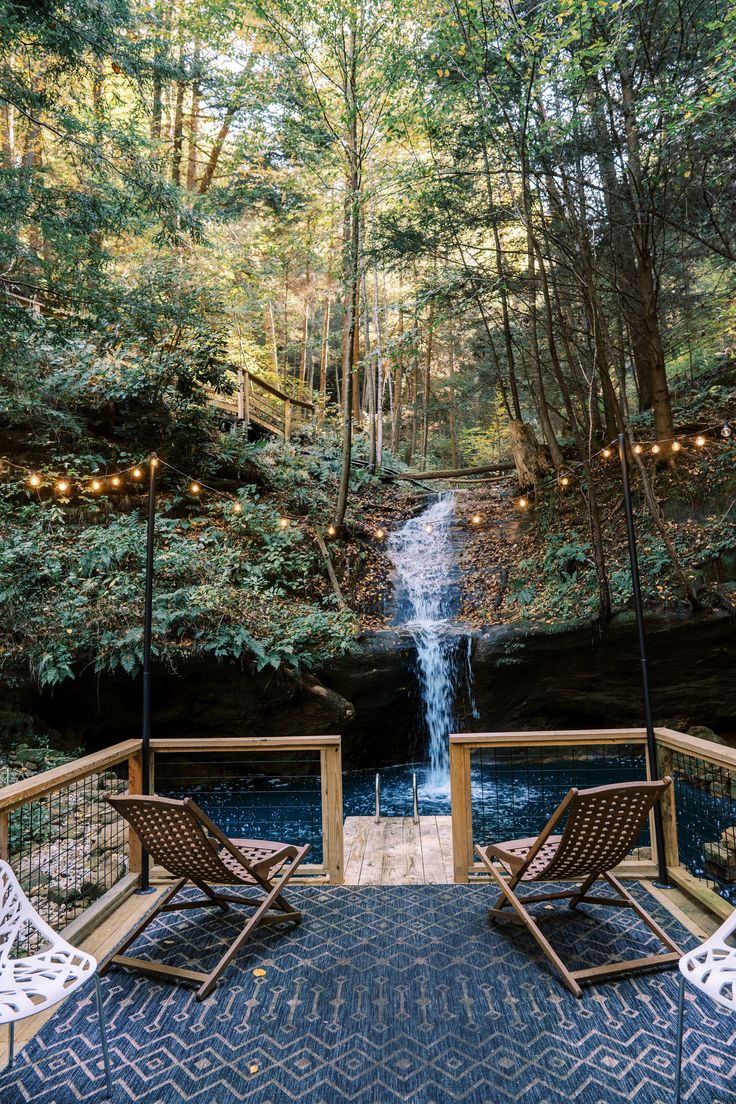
[398, 852]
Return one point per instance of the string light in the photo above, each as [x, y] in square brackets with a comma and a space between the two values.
[564, 478]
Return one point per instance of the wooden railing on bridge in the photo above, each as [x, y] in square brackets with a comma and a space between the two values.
[267, 406]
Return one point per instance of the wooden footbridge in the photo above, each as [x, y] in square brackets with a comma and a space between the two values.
[256, 402]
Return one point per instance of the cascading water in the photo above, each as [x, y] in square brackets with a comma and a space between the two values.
[427, 601]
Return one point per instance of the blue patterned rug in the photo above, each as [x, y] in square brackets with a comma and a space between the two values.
[386, 995]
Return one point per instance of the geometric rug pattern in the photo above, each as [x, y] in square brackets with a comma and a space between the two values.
[387, 995]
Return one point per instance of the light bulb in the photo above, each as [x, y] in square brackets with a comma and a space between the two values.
[115, 481]
[700, 440]
[380, 534]
[637, 450]
[726, 431]
[331, 531]
[475, 519]
[655, 449]
[564, 481]
[676, 446]
[237, 508]
[522, 503]
[283, 523]
[95, 485]
[62, 486]
[194, 488]
[607, 453]
[137, 473]
[35, 480]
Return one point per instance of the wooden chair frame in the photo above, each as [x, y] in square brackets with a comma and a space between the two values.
[621, 811]
[180, 837]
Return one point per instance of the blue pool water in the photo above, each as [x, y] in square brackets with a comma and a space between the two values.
[510, 800]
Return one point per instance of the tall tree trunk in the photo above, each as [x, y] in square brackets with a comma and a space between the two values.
[451, 404]
[193, 137]
[351, 274]
[397, 411]
[427, 384]
[378, 413]
[178, 133]
[323, 364]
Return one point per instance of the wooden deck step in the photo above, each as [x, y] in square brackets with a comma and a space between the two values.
[398, 852]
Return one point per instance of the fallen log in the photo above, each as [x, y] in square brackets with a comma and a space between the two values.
[448, 473]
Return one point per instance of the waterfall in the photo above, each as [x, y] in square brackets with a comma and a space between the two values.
[427, 602]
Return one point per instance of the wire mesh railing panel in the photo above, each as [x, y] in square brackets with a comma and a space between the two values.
[515, 790]
[705, 803]
[69, 847]
[258, 795]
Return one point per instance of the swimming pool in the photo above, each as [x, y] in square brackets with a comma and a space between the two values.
[511, 801]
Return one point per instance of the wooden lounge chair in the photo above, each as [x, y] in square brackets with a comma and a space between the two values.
[179, 837]
[602, 826]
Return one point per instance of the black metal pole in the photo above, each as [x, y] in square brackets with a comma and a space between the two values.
[147, 631]
[639, 613]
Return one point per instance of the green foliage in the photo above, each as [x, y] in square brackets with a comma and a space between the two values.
[233, 586]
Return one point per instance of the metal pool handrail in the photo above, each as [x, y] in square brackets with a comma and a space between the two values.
[378, 798]
[415, 799]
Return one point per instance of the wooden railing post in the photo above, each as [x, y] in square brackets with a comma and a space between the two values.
[461, 809]
[135, 786]
[287, 420]
[246, 400]
[241, 396]
[4, 835]
[669, 810]
[332, 834]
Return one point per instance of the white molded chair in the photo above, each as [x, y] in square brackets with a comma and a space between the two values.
[711, 968]
[30, 984]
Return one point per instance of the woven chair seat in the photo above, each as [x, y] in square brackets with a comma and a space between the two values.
[512, 855]
[267, 858]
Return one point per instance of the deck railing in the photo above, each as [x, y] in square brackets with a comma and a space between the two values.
[505, 785]
[286, 788]
[76, 857]
[72, 853]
